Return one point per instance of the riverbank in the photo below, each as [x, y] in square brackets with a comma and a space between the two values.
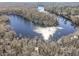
[10, 45]
[32, 15]
[69, 12]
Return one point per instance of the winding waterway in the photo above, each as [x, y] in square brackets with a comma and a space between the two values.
[25, 28]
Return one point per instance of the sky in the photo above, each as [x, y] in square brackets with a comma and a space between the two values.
[39, 0]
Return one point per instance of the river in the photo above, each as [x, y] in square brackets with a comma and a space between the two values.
[26, 28]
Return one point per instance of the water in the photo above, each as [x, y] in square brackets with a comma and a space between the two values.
[21, 26]
[68, 27]
[26, 28]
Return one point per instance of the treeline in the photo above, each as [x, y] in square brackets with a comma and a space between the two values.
[71, 13]
[32, 15]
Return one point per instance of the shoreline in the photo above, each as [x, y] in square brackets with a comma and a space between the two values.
[10, 45]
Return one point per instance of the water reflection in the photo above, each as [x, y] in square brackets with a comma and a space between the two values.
[26, 28]
[21, 26]
[68, 27]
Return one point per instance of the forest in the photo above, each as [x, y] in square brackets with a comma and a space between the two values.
[11, 45]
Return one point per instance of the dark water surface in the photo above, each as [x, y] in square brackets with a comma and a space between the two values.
[68, 27]
[21, 26]
[25, 28]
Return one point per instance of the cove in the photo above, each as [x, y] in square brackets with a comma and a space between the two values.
[26, 28]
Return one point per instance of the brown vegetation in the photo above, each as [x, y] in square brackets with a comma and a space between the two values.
[71, 13]
[10, 45]
[33, 15]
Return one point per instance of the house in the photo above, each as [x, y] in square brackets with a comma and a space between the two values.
[40, 8]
